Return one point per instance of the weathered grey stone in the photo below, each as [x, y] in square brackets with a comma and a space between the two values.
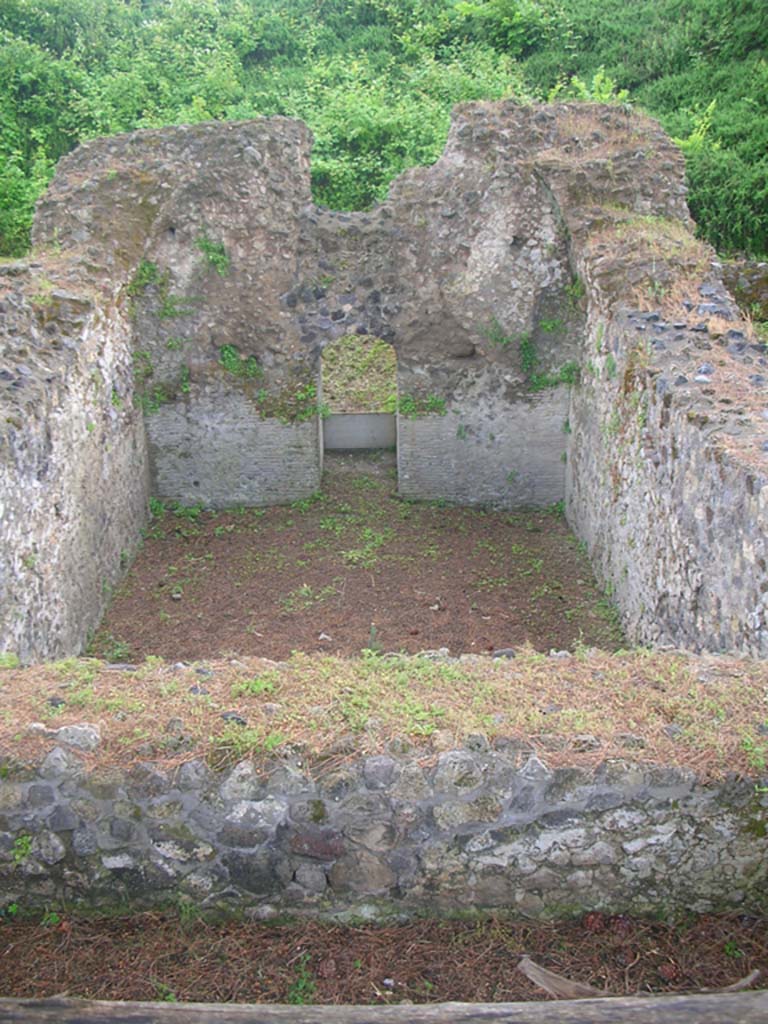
[456, 770]
[379, 771]
[39, 795]
[253, 872]
[375, 836]
[192, 775]
[48, 848]
[361, 874]
[84, 842]
[242, 783]
[61, 764]
[149, 780]
[411, 784]
[121, 829]
[251, 822]
[311, 877]
[83, 736]
[630, 740]
[63, 819]
[454, 814]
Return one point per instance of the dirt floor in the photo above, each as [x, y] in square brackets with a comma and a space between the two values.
[351, 568]
[157, 956]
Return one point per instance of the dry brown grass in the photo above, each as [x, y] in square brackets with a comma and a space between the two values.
[656, 261]
[325, 706]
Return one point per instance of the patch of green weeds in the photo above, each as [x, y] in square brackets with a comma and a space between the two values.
[150, 399]
[302, 989]
[335, 524]
[142, 366]
[496, 334]
[305, 596]
[115, 650]
[534, 566]
[305, 504]
[239, 365]
[731, 949]
[189, 512]
[551, 326]
[757, 753]
[164, 993]
[9, 659]
[147, 273]
[575, 291]
[354, 704]
[81, 671]
[172, 306]
[215, 254]
[492, 583]
[420, 719]
[256, 687]
[21, 849]
[237, 742]
[415, 406]
[366, 555]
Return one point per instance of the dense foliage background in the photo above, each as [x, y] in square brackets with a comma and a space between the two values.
[375, 80]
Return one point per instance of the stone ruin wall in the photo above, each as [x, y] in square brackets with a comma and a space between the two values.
[468, 830]
[564, 228]
[74, 486]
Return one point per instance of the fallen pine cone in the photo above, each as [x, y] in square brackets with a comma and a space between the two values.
[669, 972]
[594, 922]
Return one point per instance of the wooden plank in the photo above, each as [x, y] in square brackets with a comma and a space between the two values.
[725, 1008]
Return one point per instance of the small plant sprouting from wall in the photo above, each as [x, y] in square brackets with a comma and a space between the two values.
[529, 359]
[575, 292]
[173, 306]
[414, 406]
[239, 365]
[551, 326]
[149, 397]
[534, 378]
[215, 254]
[496, 334]
[147, 273]
[296, 402]
[142, 367]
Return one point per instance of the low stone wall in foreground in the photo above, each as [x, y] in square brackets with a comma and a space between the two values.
[462, 830]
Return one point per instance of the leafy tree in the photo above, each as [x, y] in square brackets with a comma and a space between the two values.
[375, 80]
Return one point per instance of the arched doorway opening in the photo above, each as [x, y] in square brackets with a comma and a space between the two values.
[359, 394]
